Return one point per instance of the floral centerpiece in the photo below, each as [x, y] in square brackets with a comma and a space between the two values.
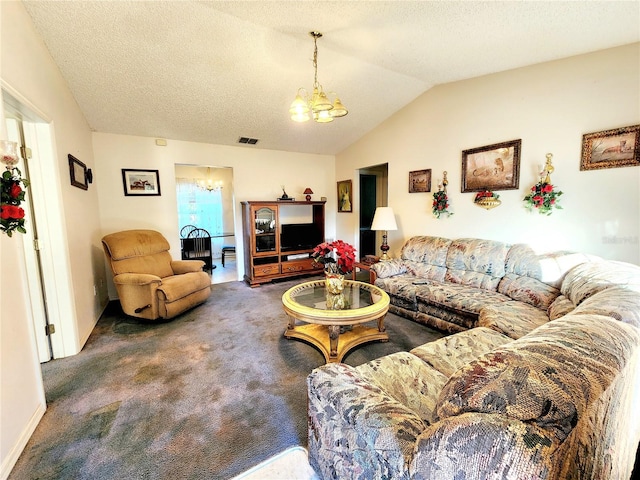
[543, 197]
[338, 258]
[12, 195]
[440, 203]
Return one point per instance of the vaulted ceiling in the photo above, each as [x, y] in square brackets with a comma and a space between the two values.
[214, 71]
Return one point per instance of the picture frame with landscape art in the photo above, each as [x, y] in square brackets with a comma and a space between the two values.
[619, 147]
[138, 182]
[420, 181]
[345, 199]
[492, 167]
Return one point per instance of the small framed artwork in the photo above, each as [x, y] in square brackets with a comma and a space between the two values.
[493, 167]
[345, 198]
[619, 147]
[80, 176]
[420, 181]
[140, 182]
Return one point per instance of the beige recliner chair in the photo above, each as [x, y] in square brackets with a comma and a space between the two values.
[149, 283]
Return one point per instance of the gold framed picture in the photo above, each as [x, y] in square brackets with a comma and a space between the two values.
[345, 198]
[619, 147]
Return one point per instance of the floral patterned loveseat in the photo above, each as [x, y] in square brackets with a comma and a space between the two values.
[551, 399]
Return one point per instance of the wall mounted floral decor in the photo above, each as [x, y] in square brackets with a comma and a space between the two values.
[12, 191]
[544, 196]
[440, 204]
[487, 199]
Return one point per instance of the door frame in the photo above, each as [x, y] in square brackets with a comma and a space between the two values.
[49, 217]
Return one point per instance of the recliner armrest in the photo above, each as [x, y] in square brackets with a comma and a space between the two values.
[185, 266]
[136, 279]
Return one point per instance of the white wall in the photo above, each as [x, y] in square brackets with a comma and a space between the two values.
[29, 73]
[549, 106]
[257, 175]
[21, 393]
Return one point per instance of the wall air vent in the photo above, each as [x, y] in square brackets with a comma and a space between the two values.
[247, 140]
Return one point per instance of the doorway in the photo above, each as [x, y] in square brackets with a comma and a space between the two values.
[205, 201]
[45, 247]
[373, 193]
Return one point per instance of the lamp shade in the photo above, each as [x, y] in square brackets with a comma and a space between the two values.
[384, 219]
[307, 191]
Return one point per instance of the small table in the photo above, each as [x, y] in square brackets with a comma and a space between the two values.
[335, 332]
[363, 265]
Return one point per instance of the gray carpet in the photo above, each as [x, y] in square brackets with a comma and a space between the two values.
[204, 396]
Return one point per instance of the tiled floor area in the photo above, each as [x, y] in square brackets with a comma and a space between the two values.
[227, 274]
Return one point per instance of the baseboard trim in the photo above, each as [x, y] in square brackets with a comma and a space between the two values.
[10, 461]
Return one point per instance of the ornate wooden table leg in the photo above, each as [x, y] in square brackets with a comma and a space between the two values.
[381, 327]
[334, 333]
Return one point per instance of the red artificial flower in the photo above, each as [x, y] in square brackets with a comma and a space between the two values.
[15, 190]
[11, 212]
[548, 188]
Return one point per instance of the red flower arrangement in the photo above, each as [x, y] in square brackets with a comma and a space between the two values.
[11, 196]
[440, 203]
[337, 256]
[543, 197]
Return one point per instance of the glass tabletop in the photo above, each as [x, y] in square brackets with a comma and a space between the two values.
[355, 295]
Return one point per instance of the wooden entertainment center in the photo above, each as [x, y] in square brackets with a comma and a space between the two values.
[265, 258]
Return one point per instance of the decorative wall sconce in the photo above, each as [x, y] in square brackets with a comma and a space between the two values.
[543, 196]
[440, 204]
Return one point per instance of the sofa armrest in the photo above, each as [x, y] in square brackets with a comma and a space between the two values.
[483, 446]
[185, 266]
[356, 430]
[389, 268]
[136, 279]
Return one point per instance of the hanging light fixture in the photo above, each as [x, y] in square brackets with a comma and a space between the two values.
[317, 106]
[209, 184]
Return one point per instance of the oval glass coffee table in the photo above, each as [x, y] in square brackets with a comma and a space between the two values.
[335, 323]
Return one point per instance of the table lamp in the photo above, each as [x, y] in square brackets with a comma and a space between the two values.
[384, 220]
[308, 192]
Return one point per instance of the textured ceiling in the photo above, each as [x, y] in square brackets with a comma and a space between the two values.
[213, 71]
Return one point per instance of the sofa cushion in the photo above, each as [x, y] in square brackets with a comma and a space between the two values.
[426, 249]
[618, 303]
[528, 290]
[401, 290]
[456, 297]
[590, 278]
[449, 353]
[408, 379]
[560, 307]
[548, 378]
[548, 267]
[476, 263]
[514, 319]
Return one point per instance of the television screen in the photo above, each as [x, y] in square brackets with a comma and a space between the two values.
[299, 236]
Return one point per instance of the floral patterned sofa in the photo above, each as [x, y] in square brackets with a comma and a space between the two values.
[553, 397]
[454, 285]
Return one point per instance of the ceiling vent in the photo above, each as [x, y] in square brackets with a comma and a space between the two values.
[247, 140]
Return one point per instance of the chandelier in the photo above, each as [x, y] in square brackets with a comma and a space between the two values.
[317, 106]
[208, 184]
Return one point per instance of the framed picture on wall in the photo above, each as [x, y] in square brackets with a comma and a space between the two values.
[420, 181]
[140, 182]
[619, 147]
[345, 197]
[493, 167]
[80, 175]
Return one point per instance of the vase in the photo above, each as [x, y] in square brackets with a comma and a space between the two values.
[334, 282]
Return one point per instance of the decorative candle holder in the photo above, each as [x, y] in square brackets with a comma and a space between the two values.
[8, 153]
